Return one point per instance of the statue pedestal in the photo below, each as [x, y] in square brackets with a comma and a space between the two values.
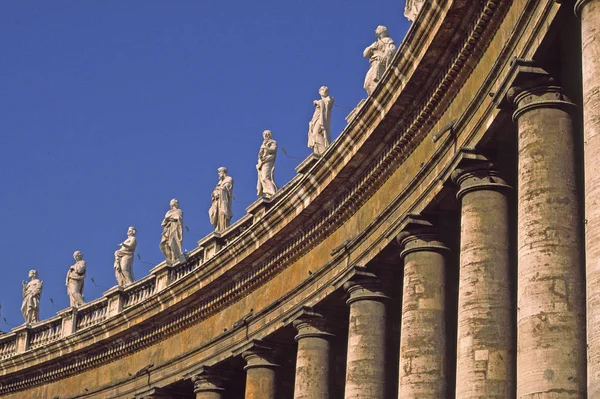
[355, 111]
[307, 164]
[211, 244]
[258, 208]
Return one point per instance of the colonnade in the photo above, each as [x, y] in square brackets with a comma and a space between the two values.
[521, 328]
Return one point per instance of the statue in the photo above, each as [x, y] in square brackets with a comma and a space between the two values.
[32, 291]
[380, 55]
[266, 166]
[220, 211]
[412, 9]
[124, 259]
[172, 236]
[319, 128]
[75, 280]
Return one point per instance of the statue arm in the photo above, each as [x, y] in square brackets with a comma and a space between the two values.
[272, 148]
[368, 53]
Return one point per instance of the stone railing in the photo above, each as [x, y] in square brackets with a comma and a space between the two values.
[139, 291]
[49, 331]
[118, 299]
[91, 313]
[8, 347]
[183, 270]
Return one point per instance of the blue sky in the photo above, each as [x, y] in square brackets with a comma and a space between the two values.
[108, 109]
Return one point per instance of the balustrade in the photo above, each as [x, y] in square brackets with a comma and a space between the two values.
[92, 314]
[140, 291]
[46, 333]
[8, 347]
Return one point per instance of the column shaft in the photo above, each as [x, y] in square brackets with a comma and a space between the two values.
[313, 359]
[589, 11]
[485, 336]
[551, 356]
[209, 384]
[423, 332]
[367, 354]
[261, 373]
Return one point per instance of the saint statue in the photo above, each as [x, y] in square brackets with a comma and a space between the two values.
[220, 210]
[172, 235]
[124, 259]
[32, 291]
[266, 166]
[319, 128]
[380, 55]
[412, 9]
[75, 279]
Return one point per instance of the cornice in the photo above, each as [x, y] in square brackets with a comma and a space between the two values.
[407, 136]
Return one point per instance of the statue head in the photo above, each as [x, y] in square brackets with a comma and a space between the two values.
[77, 255]
[267, 134]
[32, 274]
[131, 231]
[381, 31]
[174, 203]
[324, 91]
[222, 172]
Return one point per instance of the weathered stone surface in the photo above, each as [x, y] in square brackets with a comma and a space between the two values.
[314, 357]
[485, 341]
[261, 372]
[367, 353]
[589, 12]
[423, 348]
[209, 384]
[550, 297]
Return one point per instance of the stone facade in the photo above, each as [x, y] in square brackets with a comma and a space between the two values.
[456, 266]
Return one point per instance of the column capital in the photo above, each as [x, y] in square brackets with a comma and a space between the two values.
[579, 4]
[419, 234]
[207, 379]
[477, 175]
[309, 323]
[528, 86]
[258, 354]
[363, 285]
[154, 393]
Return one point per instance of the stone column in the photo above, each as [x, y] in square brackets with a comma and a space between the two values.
[485, 335]
[261, 370]
[155, 393]
[423, 332]
[209, 384]
[367, 354]
[589, 11]
[551, 356]
[314, 356]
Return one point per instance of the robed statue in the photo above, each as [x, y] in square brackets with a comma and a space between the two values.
[75, 280]
[124, 259]
[319, 128]
[172, 236]
[32, 291]
[220, 209]
[266, 166]
[380, 56]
